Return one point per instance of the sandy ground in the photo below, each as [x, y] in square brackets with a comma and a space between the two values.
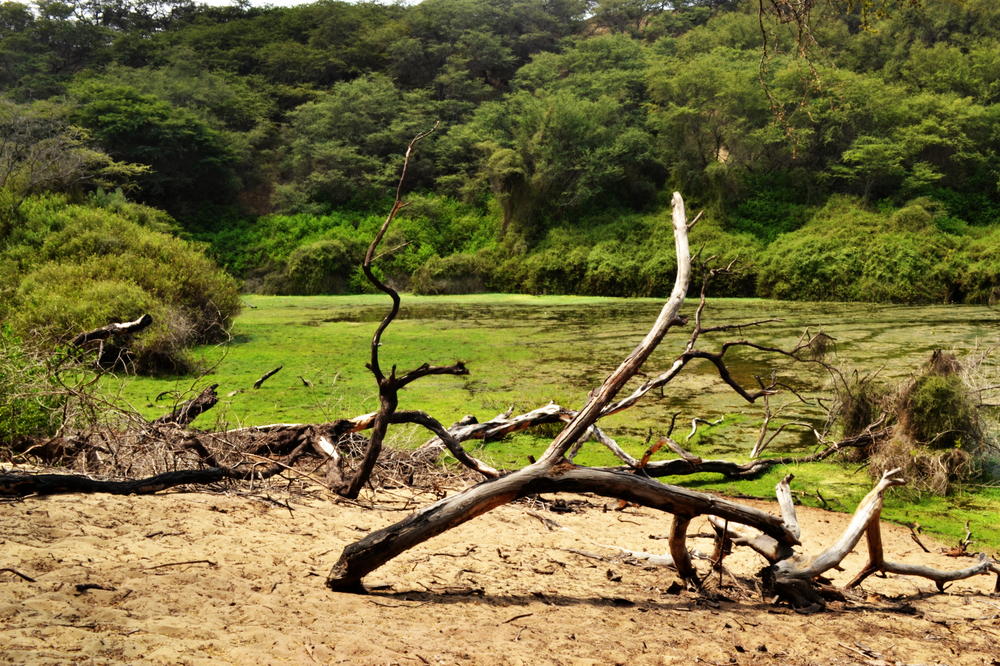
[201, 578]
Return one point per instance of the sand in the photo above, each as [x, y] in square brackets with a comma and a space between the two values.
[203, 578]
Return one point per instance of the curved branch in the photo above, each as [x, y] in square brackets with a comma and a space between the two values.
[599, 398]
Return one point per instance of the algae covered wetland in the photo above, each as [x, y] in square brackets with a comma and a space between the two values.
[524, 351]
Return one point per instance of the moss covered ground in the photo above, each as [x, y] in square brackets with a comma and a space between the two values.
[523, 351]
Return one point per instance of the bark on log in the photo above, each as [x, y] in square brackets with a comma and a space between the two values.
[184, 414]
[366, 555]
[111, 356]
[22, 485]
[105, 332]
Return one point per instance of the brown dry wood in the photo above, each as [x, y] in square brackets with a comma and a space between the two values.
[109, 354]
[783, 492]
[552, 472]
[267, 375]
[679, 551]
[868, 511]
[390, 385]
[754, 468]
[877, 563]
[740, 535]
[505, 424]
[184, 414]
[18, 574]
[22, 485]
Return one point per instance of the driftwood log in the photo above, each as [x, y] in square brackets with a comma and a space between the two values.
[185, 413]
[109, 342]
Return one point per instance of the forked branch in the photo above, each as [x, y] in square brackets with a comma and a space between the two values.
[390, 385]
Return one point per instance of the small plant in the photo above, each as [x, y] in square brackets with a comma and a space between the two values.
[937, 411]
[938, 438]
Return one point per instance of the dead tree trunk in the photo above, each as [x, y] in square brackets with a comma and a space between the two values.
[390, 385]
[184, 414]
[790, 576]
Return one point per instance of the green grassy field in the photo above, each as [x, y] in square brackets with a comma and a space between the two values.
[524, 351]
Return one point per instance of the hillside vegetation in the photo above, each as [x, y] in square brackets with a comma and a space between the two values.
[850, 154]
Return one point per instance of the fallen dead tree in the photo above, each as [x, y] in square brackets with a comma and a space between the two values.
[109, 343]
[791, 576]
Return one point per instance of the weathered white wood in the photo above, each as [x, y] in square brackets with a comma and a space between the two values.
[869, 509]
[783, 492]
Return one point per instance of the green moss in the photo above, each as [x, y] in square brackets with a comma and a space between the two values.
[523, 351]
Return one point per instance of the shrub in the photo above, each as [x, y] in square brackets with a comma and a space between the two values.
[847, 253]
[321, 267]
[938, 411]
[463, 273]
[94, 266]
[979, 279]
[926, 470]
[551, 271]
[30, 401]
[612, 270]
[938, 438]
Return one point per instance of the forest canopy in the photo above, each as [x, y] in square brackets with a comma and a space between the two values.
[844, 152]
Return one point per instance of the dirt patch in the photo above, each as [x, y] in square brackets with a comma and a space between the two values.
[193, 578]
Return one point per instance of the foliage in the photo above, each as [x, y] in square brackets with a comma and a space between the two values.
[29, 397]
[321, 267]
[560, 151]
[846, 252]
[938, 411]
[937, 436]
[71, 268]
[562, 121]
[344, 147]
[462, 273]
[190, 162]
[41, 152]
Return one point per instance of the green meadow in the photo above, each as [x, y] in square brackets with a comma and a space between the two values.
[524, 351]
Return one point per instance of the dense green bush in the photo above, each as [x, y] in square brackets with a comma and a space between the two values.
[848, 253]
[978, 276]
[30, 399]
[80, 267]
[462, 273]
[329, 266]
[938, 411]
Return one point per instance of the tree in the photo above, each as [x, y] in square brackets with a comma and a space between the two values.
[191, 163]
[40, 151]
[338, 146]
[628, 16]
[557, 151]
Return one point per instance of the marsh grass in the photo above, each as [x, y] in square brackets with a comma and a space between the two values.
[524, 351]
